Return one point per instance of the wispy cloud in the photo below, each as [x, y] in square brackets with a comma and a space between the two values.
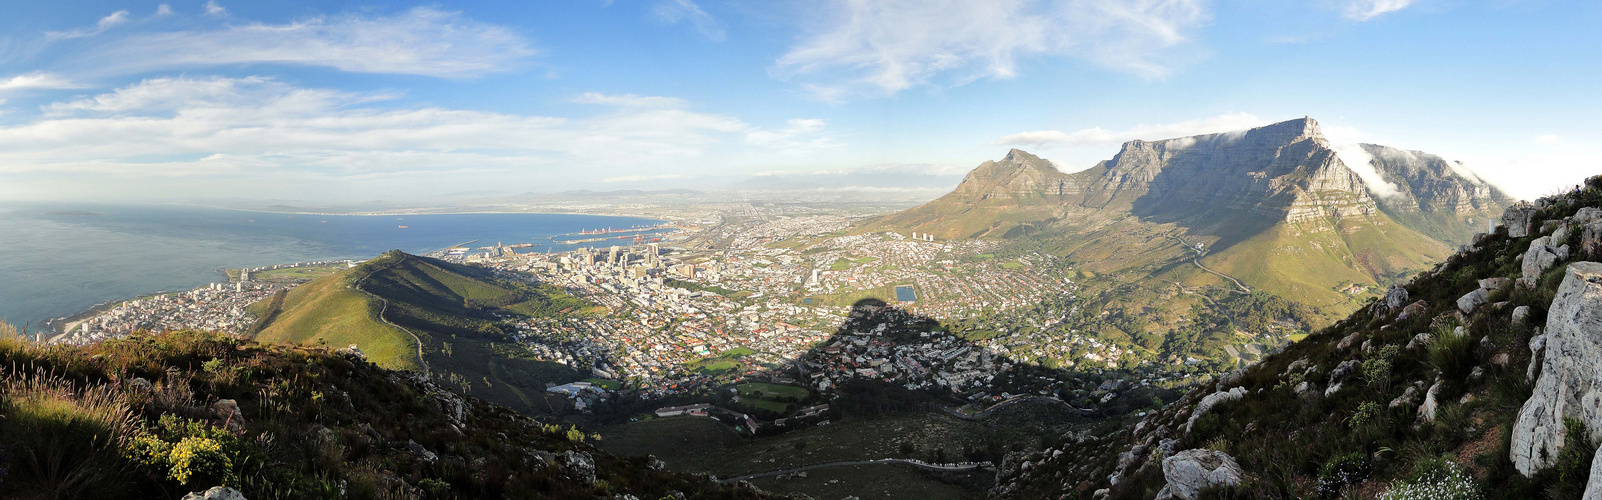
[37, 80]
[1363, 10]
[675, 11]
[1098, 136]
[106, 23]
[885, 46]
[420, 41]
[212, 9]
[799, 136]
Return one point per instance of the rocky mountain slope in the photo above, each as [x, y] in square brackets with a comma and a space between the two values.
[1475, 380]
[159, 415]
[1274, 206]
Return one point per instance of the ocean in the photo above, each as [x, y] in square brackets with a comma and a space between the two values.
[59, 259]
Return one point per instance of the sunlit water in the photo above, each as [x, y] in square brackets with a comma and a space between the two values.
[57, 260]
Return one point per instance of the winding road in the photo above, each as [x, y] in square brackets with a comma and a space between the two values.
[384, 306]
[1196, 259]
[959, 467]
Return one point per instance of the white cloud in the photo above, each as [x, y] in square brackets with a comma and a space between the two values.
[885, 46]
[263, 128]
[630, 100]
[1359, 161]
[37, 80]
[674, 11]
[1547, 139]
[105, 23]
[1097, 136]
[420, 41]
[1363, 10]
[212, 9]
[163, 10]
[799, 136]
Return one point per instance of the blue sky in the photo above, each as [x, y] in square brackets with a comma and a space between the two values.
[353, 101]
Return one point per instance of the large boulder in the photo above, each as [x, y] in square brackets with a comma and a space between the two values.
[1569, 384]
[1539, 257]
[1472, 300]
[1191, 471]
[1518, 219]
[1395, 298]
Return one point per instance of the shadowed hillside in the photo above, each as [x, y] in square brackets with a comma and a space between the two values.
[161, 415]
[452, 315]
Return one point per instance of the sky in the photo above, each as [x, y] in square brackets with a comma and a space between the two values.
[333, 101]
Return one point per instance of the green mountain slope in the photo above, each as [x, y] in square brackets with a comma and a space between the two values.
[1421, 396]
[448, 314]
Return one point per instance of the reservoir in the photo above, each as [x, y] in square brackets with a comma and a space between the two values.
[905, 293]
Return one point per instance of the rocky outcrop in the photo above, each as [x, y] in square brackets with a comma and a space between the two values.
[1395, 298]
[1593, 485]
[1539, 257]
[1212, 400]
[1191, 471]
[1569, 384]
[1519, 218]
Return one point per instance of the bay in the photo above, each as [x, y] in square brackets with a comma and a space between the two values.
[61, 259]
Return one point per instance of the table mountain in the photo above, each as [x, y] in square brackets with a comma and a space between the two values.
[1275, 207]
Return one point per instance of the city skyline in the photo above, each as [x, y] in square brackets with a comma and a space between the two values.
[359, 101]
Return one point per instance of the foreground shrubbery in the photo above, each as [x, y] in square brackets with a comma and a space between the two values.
[158, 416]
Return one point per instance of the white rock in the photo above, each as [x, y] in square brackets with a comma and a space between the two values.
[216, 493]
[1422, 339]
[1409, 396]
[1538, 258]
[1212, 400]
[1469, 301]
[1593, 485]
[1517, 218]
[1426, 411]
[1520, 314]
[1190, 471]
[1569, 384]
[1537, 347]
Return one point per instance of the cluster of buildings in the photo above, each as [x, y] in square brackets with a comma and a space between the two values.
[216, 307]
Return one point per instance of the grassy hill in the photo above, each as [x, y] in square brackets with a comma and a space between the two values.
[436, 315]
[154, 416]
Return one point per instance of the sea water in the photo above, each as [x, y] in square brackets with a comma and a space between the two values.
[57, 260]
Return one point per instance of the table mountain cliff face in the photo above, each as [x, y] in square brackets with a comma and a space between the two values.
[1285, 171]
[1276, 203]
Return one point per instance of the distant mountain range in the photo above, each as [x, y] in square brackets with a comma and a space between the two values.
[1275, 206]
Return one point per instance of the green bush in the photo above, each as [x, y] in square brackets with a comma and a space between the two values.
[1452, 355]
[1343, 471]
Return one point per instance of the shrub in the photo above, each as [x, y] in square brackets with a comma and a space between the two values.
[1452, 355]
[1342, 471]
[188, 452]
[1434, 479]
[1366, 413]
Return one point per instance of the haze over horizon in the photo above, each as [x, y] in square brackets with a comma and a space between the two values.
[356, 101]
